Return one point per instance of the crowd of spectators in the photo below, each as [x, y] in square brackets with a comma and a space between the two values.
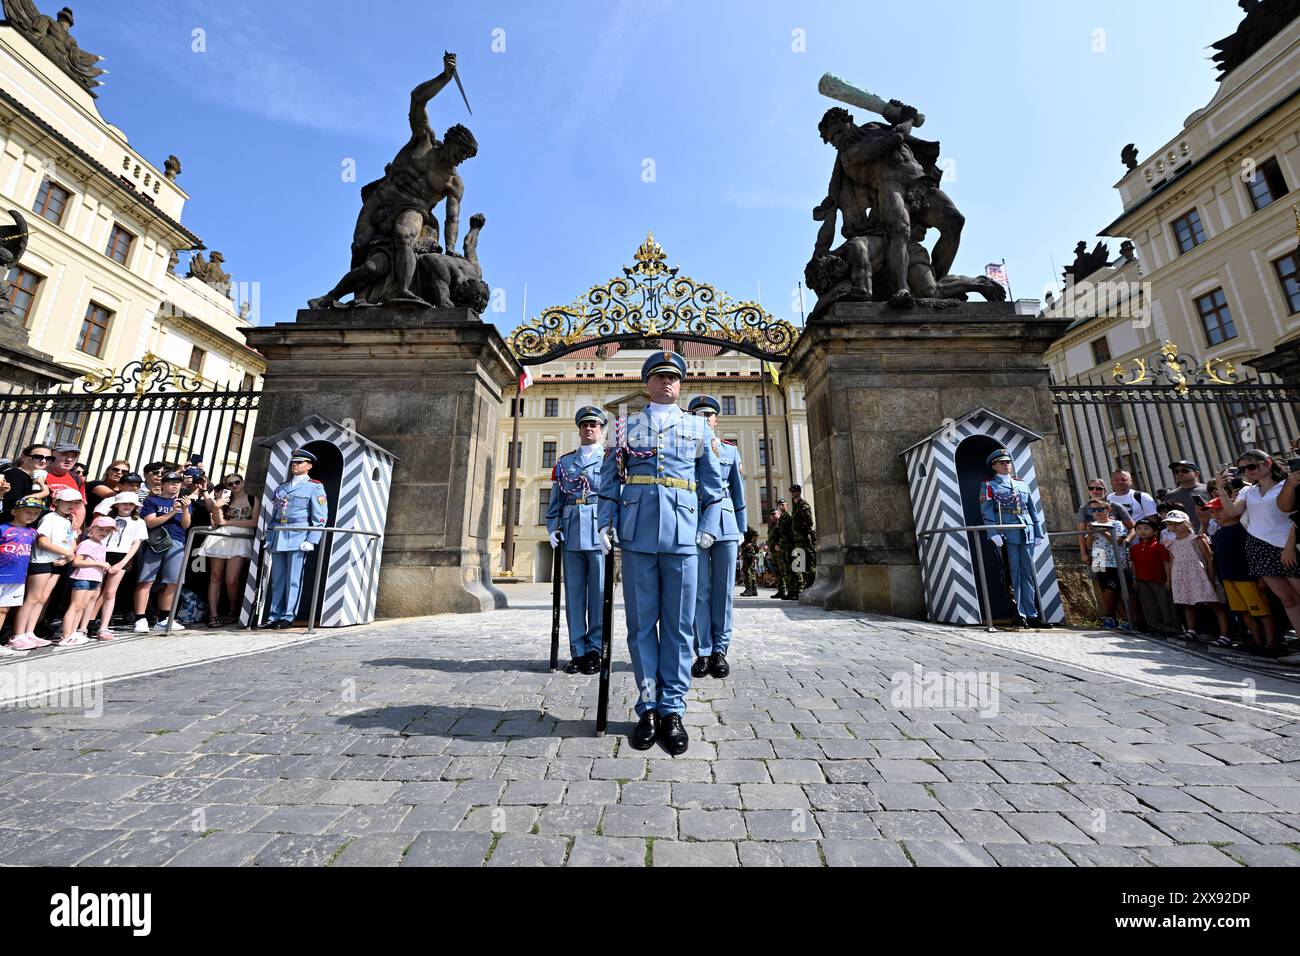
[1212, 562]
[81, 555]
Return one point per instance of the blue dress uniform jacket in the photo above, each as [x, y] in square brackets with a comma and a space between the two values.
[573, 510]
[1006, 500]
[659, 487]
[300, 503]
[716, 578]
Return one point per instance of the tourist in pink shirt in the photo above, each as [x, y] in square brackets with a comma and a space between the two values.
[88, 567]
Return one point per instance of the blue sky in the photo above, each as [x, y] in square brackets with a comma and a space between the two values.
[1031, 116]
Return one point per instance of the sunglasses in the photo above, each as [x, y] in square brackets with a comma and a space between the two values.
[1096, 488]
[117, 471]
[41, 457]
[1184, 471]
[1252, 466]
[234, 483]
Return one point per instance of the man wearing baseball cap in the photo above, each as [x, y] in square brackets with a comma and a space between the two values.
[661, 491]
[1187, 479]
[61, 475]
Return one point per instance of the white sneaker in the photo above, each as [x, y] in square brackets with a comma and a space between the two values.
[141, 626]
[161, 626]
[71, 640]
[11, 652]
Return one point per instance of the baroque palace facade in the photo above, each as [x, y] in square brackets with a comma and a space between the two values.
[648, 297]
[1211, 268]
[95, 288]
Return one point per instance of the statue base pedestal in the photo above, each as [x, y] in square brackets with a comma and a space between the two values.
[426, 384]
[23, 369]
[877, 380]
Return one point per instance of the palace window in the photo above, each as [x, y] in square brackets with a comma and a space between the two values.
[23, 286]
[235, 444]
[197, 355]
[119, 244]
[1188, 231]
[249, 381]
[543, 502]
[1216, 317]
[762, 450]
[728, 404]
[1265, 184]
[67, 427]
[1289, 276]
[51, 201]
[505, 501]
[94, 330]
[552, 408]
[548, 454]
[1100, 351]
[513, 402]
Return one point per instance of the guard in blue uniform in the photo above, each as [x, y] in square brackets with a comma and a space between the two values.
[571, 521]
[716, 581]
[299, 501]
[661, 491]
[1005, 499]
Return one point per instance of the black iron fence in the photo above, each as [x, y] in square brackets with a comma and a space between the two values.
[1142, 427]
[148, 412]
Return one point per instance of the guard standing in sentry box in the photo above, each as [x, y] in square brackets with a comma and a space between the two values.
[717, 565]
[300, 500]
[1005, 499]
[571, 521]
[661, 492]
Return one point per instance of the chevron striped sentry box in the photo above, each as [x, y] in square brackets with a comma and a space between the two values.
[948, 569]
[351, 582]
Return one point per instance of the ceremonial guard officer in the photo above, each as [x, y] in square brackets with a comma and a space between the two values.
[805, 537]
[792, 580]
[1005, 499]
[661, 492]
[715, 588]
[298, 501]
[571, 521]
[748, 557]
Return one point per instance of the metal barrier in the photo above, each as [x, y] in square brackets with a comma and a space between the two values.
[1038, 596]
[265, 575]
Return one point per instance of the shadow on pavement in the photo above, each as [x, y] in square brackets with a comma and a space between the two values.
[541, 665]
[476, 723]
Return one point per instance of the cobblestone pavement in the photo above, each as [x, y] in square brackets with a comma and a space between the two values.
[446, 741]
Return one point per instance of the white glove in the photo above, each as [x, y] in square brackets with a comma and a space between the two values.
[306, 546]
[556, 538]
[704, 540]
[996, 539]
[608, 538]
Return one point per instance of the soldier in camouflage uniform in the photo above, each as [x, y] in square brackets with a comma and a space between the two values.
[748, 552]
[793, 583]
[774, 550]
[805, 535]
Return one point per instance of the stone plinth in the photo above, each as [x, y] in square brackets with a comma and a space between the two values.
[877, 381]
[23, 369]
[427, 385]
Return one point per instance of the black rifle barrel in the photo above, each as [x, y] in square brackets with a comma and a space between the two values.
[606, 646]
[557, 572]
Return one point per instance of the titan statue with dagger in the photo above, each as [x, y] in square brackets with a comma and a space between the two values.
[885, 189]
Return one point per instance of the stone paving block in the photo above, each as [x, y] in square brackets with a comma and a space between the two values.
[672, 853]
[1099, 856]
[296, 849]
[1045, 828]
[1284, 798]
[706, 796]
[682, 771]
[536, 792]
[842, 749]
[448, 849]
[1192, 854]
[746, 750]
[592, 791]
[864, 853]
[518, 819]
[65, 847]
[478, 791]
[222, 849]
[645, 793]
[1116, 828]
[621, 768]
[851, 771]
[439, 816]
[1261, 827]
[779, 854]
[906, 771]
[365, 820]
[968, 771]
[1268, 855]
[847, 825]
[772, 796]
[963, 796]
[299, 819]
[622, 820]
[711, 825]
[1229, 799]
[607, 851]
[1171, 799]
[144, 848]
[1038, 797]
[1027, 854]
[514, 849]
[423, 792]
[1195, 828]
[795, 824]
[570, 819]
[927, 853]
[914, 825]
[843, 796]
[981, 826]
[375, 849]
[353, 792]
[795, 771]
[905, 796]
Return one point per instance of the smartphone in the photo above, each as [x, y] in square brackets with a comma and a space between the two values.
[1199, 501]
[1293, 464]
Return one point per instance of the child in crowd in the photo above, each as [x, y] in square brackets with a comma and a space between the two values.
[1107, 557]
[52, 554]
[1244, 596]
[129, 533]
[16, 540]
[1191, 576]
[1151, 569]
[88, 567]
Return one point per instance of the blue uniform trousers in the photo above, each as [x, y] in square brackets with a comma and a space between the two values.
[1021, 559]
[659, 589]
[286, 584]
[584, 579]
[715, 588]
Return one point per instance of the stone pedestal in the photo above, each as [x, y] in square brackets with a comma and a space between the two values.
[877, 381]
[427, 385]
[23, 369]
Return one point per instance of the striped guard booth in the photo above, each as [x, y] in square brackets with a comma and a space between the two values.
[948, 568]
[351, 583]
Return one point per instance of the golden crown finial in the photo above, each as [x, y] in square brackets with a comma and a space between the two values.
[650, 257]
